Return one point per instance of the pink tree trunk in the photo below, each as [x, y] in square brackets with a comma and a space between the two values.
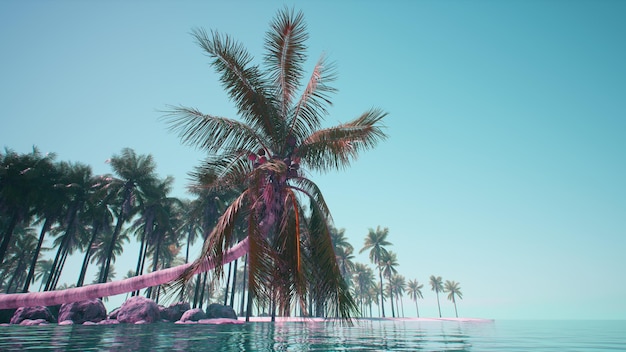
[77, 294]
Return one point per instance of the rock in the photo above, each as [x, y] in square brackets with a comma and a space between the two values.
[34, 322]
[113, 313]
[215, 310]
[108, 322]
[79, 312]
[174, 312]
[32, 313]
[192, 315]
[66, 322]
[138, 308]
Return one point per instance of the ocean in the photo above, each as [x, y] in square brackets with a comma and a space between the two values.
[365, 335]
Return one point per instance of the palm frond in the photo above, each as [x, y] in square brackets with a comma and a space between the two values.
[335, 147]
[244, 83]
[286, 54]
[312, 191]
[312, 106]
[227, 171]
[211, 133]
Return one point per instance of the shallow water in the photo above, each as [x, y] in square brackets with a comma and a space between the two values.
[368, 335]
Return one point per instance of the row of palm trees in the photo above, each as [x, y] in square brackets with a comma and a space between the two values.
[90, 215]
[363, 282]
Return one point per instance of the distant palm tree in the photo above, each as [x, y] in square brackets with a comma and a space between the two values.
[437, 286]
[398, 286]
[280, 133]
[43, 271]
[415, 292]
[388, 263]
[453, 289]
[375, 242]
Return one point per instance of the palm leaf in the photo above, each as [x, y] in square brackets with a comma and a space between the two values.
[335, 147]
[245, 85]
[285, 55]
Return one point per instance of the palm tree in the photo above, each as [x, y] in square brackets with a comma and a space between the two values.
[266, 153]
[388, 263]
[136, 173]
[43, 271]
[453, 289]
[415, 292]
[376, 242]
[20, 176]
[397, 283]
[437, 286]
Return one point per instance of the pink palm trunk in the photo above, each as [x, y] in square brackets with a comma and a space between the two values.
[77, 294]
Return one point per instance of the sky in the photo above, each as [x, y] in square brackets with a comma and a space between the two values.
[505, 165]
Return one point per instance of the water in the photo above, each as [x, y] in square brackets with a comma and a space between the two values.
[372, 335]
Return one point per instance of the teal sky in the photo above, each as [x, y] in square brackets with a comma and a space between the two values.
[505, 166]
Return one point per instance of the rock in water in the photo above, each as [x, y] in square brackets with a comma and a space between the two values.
[92, 310]
[193, 315]
[174, 312]
[215, 310]
[138, 308]
[32, 313]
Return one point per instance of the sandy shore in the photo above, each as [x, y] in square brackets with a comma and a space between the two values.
[309, 320]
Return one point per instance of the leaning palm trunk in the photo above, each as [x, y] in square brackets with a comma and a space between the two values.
[77, 294]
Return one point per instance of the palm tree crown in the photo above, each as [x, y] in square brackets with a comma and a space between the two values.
[265, 153]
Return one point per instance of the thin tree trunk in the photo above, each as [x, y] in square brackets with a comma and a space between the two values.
[6, 238]
[83, 269]
[438, 306]
[139, 269]
[33, 263]
[243, 287]
[227, 282]
[455, 312]
[417, 309]
[232, 294]
[382, 295]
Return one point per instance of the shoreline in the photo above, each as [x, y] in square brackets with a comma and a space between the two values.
[321, 320]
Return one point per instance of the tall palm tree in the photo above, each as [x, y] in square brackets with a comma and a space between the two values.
[20, 176]
[266, 153]
[454, 290]
[437, 286]
[388, 263]
[415, 292]
[135, 172]
[375, 242]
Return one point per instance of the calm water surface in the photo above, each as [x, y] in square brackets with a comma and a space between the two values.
[318, 336]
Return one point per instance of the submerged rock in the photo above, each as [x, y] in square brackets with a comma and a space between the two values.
[192, 315]
[215, 310]
[34, 322]
[138, 308]
[92, 310]
[32, 313]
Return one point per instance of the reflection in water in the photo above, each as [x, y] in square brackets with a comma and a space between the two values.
[369, 335]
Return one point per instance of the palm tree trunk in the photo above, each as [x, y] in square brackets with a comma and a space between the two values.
[455, 312]
[382, 297]
[417, 309]
[33, 263]
[50, 298]
[6, 238]
[232, 293]
[438, 306]
[83, 269]
[55, 265]
[243, 287]
[139, 269]
[109, 252]
[230, 268]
